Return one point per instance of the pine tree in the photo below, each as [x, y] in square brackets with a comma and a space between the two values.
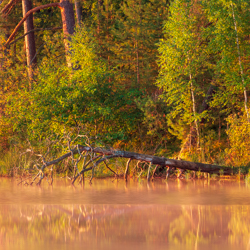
[30, 45]
[138, 30]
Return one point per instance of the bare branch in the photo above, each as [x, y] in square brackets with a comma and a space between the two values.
[85, 166]
[11, 37]
[110, 169]
[24, 180]
[37, 53]
[8, 7]
[35, 178]
[154, 171]
[208, 168]
[9, 10]
[148, 175]
[38, 29]
[127, 170]
[105, 154]
[101, 160]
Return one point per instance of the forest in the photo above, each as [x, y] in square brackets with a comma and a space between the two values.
[167, 78]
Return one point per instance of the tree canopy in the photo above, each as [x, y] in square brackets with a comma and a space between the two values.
[149, 75]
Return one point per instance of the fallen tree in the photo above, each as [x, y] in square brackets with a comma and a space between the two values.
[98, 155]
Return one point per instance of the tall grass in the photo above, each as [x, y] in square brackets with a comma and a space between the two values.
[8, 162]
[12, 162]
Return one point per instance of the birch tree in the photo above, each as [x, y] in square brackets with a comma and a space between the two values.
[183, 64]
[230, 42]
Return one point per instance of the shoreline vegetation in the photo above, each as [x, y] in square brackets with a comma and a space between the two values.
[157, 87]
[79, 162]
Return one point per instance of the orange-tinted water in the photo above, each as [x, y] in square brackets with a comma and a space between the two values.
[172, 215]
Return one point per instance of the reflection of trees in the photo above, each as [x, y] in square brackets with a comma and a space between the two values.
[239, 225]
[199, 225]
[189, 226]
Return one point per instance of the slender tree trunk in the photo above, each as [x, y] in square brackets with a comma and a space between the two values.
[68, 21]
[107, 23]
[137, 50]
[30, 45]
[14, 32]
[240, 65]
[137, 62]
[78, 10]
[99, 12]
[194, 109]
[191, 138]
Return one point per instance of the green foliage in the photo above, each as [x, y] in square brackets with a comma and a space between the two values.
[137, 29]
[117, 45]
[226, 28]
[183, 62]
[154, 121]
[247, 179]
[111, 92]
[68, 98]
[239, 138]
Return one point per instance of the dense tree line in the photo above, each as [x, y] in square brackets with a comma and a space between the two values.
[166, 77]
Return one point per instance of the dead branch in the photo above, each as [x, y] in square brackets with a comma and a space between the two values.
[11, 37]
[98, 162]
[154, 171]
[85, 166]
[35, 178]
[9, 10]
[38, 29]
[148, 175]
[127, 170]
[194, 166]
[8, 7]
[104, 154]
[110, 169]
[24, 180]
[167, 172]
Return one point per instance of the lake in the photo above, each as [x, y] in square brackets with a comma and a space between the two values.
[110, 214]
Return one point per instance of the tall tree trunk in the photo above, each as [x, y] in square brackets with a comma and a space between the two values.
[194, 110]
[137, 47]
[137, 62]
[191, 138]
[240, 65]
[68, 21]
[99, 11]
[78, 10]
[30, 45]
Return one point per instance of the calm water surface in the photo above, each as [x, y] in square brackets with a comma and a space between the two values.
[177, 214]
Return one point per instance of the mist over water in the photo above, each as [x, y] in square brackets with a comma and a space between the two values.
[177, 214]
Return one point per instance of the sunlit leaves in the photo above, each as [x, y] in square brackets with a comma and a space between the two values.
[183, 60]
[223, 43]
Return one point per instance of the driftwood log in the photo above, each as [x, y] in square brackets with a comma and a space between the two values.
[101, 155]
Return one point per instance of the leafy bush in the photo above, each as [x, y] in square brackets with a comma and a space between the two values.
[239, 138]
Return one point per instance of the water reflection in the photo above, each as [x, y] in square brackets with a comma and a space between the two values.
[49, 223]
[173, 192]
[111, 226]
